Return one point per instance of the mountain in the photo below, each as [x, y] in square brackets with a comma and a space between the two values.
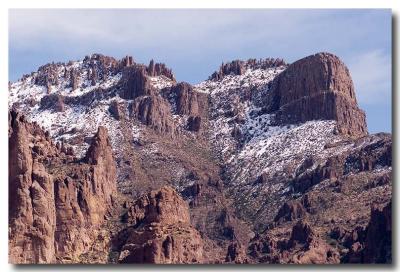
[263, 162]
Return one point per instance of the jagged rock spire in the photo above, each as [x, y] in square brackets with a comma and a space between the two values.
[100, 148]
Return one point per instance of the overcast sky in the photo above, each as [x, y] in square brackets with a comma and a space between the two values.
[195, 42]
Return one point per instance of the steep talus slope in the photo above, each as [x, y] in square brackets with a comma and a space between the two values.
[267, 162]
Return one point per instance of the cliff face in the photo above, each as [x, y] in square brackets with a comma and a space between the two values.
[135, 82]
[83, 197]
[317, 87]
[56, 204]
[31, 200]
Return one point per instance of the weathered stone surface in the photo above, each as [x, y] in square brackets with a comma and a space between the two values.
[161, 231]
[127, 61]
[367, 158]
[56, 204]
[291, 210]
[47, 75]
[378, 244]
[159, 69]
[135, 82]
[236, 253]
[317, 87]
[155, 112]
[186, 100]
[372, 244]
[54, 102]
[164, 205]
[74, 79]
[117, 109]
[31, 200]
[194, 123]
[303, 247]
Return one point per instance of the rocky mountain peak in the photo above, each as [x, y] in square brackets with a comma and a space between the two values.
[318, 87]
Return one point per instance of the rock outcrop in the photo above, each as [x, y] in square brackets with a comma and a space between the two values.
[366, 158]
[83, 196]
[47, 75]
[53, 102]
[159, 69]
[303, 246]
[372, 244]
[238, 67]
[32, 221]
[155, 112]
[194, 123]
[117, 110]
[378, 244]
[161, 231]
[56, 204]
[318, 87]
[290, 211]
[186, 101]
[135, 82]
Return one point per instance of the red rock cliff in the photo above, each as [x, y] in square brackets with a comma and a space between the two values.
[317, 87]
[56, 203]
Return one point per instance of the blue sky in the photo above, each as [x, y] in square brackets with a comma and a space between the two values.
[195, 42]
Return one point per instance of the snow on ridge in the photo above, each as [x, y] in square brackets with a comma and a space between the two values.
[252, 77]
[161, 82]
[75, 124]
[82, 120]
[230, 104]
[25, 88]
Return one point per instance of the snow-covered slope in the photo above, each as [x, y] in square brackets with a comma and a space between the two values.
[254, 150]
[241, 134]
[233, 102]
[76, 123]
[244, 135]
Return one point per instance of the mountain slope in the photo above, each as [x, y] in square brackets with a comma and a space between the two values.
[258, 146]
